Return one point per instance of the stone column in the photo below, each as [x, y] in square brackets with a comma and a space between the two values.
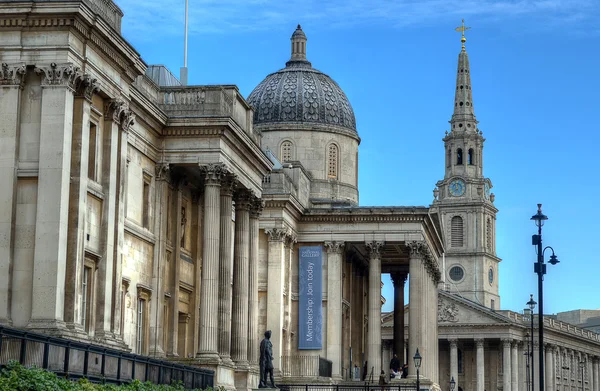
[54, 177]
[374, 309]
[253, 333]
[241, 252]
[334, 306]
[209, 328]
[549, 368]
[514, 367]
[596, 371]
[454, 361]
[399, 279]
[506, 367]
[11, 83]
[275, 283]
[536, 367]
[415, 333]
[480, 365]
[175, 274]
[225, 269]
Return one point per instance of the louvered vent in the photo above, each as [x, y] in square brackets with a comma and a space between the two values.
[456, 228]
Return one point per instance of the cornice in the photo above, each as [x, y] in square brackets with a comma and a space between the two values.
[294, 127]
[192, 132]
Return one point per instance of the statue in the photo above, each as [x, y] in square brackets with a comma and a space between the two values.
[266, 361]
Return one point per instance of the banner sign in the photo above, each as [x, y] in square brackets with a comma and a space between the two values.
[310, 292]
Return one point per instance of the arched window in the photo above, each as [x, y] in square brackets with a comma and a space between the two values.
[332, 161]
[459, 157]
[456, 231]
[470, 158]
[488, 233]
[286, 151]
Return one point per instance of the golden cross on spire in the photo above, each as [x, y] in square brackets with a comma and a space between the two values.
[462, 30]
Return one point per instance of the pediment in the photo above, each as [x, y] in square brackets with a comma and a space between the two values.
[453, 309]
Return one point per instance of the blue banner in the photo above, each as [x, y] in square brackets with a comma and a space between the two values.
[310, 292]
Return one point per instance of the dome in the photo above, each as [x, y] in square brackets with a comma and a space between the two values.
[299, 93]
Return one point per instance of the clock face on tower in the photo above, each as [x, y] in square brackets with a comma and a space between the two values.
[457, 187]
[487, 191]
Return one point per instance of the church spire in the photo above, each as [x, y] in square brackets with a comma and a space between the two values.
[463, 118]
[298, 50]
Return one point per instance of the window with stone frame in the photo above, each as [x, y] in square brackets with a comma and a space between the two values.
[286, 151]
[488, 233]
[87, 294]
[471, 157]
[456, 231]
[142, 320]
[93, 152]
[459, 156]
[332, 161]
[146, 200]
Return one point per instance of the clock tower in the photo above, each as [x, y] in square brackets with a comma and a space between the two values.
[465, 203]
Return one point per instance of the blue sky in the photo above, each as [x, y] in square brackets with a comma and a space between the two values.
[534, 70]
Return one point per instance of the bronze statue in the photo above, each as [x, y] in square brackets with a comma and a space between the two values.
[266, 361]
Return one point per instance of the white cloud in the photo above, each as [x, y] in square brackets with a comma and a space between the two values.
[223, 16]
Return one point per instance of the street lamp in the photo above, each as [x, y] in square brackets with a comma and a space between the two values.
[531, 304]
[417, 359]
[540, 269]
[452, 384]
[528, 373]
[581, 366]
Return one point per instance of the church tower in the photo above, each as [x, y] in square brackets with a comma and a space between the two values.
[464, 201]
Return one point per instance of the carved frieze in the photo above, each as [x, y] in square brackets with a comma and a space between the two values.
[447, 312]
[58, 74]
[12, 74]
[334, 247]
[374, 249]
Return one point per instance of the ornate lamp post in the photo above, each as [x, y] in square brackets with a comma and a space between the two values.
[417, 359]
[452, 384]
[540, 269]
[531, 304]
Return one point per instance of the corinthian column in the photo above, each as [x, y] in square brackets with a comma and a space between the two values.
[253, 333]
[454, 361]
[374, 309]
[399, 279]
[334, 306]
[241, 252]
[209, 328]
[514, 367]
[11, 83]
[225, 269]
[549, 368]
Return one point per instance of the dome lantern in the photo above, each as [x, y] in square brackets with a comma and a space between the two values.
[298, 49]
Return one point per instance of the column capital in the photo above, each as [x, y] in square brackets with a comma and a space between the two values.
[12, 74]
[596, 359]
[479, 342]
[334, 247]
[374, 248]
[506, 342]
[256, 208]
[162, 172]
[54, 74]
[86, 86]
[399, 279]
[420, 249]
[243, 199]
[453, 342]
[114, 110]
[213, 173]
[277, 234]
[290, 240]
[228, 184]
[417, 248]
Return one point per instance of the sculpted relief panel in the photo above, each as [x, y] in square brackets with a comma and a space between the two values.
[447, 312]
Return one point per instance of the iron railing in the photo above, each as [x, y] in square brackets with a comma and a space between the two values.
[344, 387]
[75, 360]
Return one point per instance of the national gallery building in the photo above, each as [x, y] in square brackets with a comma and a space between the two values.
[181, 222]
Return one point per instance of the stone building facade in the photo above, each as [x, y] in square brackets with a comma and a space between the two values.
[169, 220]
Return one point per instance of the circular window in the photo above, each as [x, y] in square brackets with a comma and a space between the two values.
[456, 273]
[491, 275]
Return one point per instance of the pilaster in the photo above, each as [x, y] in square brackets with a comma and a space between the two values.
[480, 365]
[334, 306]
[209, 329]
[12, 77]
[51, 231]
[549, 367]
[596, 373]
[514, 367]
[374, 309]
[506, 365]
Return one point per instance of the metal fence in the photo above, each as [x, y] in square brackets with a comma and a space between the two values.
[344, 387]
[98, 364]
[298, 366]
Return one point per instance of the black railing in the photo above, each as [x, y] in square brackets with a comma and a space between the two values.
[344, 387]
[98, 364]
[301, 366]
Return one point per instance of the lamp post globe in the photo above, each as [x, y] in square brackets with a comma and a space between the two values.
[452, 384]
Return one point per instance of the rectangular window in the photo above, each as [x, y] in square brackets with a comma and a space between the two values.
[141, 312]
[146, 205]
[85, 298]
[92, 153]
[493, 305]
